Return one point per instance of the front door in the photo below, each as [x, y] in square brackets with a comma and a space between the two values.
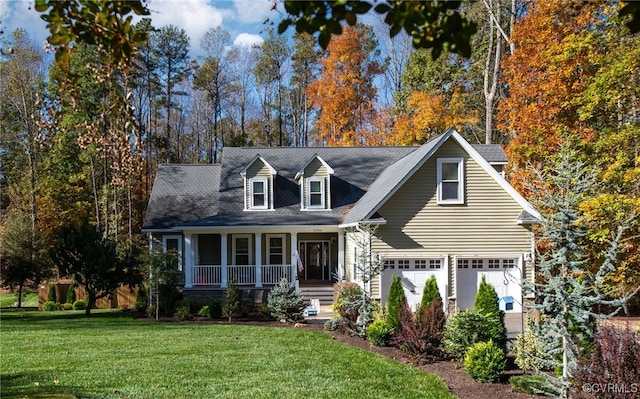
[315, 261]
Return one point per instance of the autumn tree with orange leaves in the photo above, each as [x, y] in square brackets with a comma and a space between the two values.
[344, 94]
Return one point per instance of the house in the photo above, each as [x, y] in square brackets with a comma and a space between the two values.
[443, 209]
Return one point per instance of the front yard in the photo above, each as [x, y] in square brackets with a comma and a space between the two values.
[111, 355]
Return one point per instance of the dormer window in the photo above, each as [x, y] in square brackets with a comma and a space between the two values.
[316, 193]
[258, 194]
[259, 178]
[315, 184]
[450, 176]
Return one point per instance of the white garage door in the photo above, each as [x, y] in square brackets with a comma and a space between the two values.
[502, 273]
[414, 273]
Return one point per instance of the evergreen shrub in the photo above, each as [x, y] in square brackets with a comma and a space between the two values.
[531, 384]
[71, 294]
[528, 349]
[51, 295]
[379, 333]
[50, 306]
[464, 329]
[142, 298]
[430, 293]
[183, 312]
[485, 362]
[66, 306]
[215, 309]
[285, 303]
[80, 304]
[231, 301]
[333, 324]
[394, 302]
[486, 300]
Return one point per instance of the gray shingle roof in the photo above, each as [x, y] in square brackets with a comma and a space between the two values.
[493, 153]
[182, 194]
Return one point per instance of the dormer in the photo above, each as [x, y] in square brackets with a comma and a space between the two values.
[259, 178]
[314, 180]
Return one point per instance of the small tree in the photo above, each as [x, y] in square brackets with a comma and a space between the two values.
[486, 298]
[569, 292]
[51, 294]
[231, 301]
[430, 292]
[394, 302]
[71, 294]
[421, 335]
[163, 278]
[285, 303]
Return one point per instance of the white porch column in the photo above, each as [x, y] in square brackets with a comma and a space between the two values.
[258, 249]
[223, 260]
[188, 261]
[341, 255]
[294, 263]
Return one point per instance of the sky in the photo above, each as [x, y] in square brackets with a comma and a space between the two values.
[243, 19]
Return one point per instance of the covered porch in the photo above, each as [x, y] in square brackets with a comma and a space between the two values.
[252, 258]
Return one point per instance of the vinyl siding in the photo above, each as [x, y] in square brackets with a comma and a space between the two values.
[486, 224]
[316, 169]
[261, 171]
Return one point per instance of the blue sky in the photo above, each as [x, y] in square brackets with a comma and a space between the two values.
[243, 19]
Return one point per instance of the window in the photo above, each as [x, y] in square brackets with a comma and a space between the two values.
[259, 194]
[493, 263]
[463, 263]
[389, 264]
[242, 250]
[421, 263]
[450, 181]
[275, 249]
[403, 263]
[315, 198]
[435, 263]
[173, 243]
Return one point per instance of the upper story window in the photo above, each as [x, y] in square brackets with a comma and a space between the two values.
[315, 197]
[450, 175]
[258, 194]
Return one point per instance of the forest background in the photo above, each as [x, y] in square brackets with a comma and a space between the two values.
[81, 136]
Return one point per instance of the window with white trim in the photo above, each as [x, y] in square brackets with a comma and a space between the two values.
[450, 175]
[389, 264]
[435, 264]
[315, 193]
[258, 194]
[173, 243]
[275, 249]
[403, 263]
[242, 249]
[421, 264]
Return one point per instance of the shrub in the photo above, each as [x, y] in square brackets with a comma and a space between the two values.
[183, 312]
[50, 306]
[80, 304]
[531, 384]
[615, 362]
[333, 324]
[142, 298]
[430, 293]
[231, 301]
[463, 329]
[66, 306]
[485, 362]
[420, 336]
[394, 302]
[205, 311]
[151, 311]
[51, 295]
[528, 349]
[71, 294]
[486, 298]
[215, 309]
[285, 303]
[378, 333]
[348, 299]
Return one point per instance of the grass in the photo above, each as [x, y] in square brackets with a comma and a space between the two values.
[29, 299]
[110, 355]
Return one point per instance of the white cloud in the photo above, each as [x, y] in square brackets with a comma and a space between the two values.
[247, 40]
[253, 11]
[21, 14]
[194, 16]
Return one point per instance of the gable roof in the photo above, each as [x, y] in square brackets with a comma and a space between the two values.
[272, 171]
[315, 156]
[182, 194]
[397, 174]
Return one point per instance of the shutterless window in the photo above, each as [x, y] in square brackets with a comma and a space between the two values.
[259, 194]
[450, 181]
[316, 193]
[242, 250]
[276, 250]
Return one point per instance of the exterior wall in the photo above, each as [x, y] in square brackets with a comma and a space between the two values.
[318, 170]
[258, 170]
[486, 224]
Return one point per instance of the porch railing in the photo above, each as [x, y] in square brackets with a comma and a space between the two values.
[205, 275]
[272, 274]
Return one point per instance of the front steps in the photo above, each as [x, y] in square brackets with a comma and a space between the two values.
[323, 292]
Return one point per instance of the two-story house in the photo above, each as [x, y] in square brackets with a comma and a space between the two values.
[443, 209]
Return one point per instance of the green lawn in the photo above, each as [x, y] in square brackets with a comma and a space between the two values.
[111, 355]
[28, 299]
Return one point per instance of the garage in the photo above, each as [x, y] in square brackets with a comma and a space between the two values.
[414, 273]
[503, 273]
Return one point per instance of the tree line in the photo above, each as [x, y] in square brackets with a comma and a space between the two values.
[82, 135]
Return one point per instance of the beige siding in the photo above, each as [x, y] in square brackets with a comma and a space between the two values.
[258, 170]
[486, 224]
[316, 169]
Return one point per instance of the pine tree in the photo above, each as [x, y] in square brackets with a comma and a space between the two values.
[71, 294]
[429, 293]
[51, 295]
[568, 292]
[394, 302]
[486, 298]
[231, 301]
